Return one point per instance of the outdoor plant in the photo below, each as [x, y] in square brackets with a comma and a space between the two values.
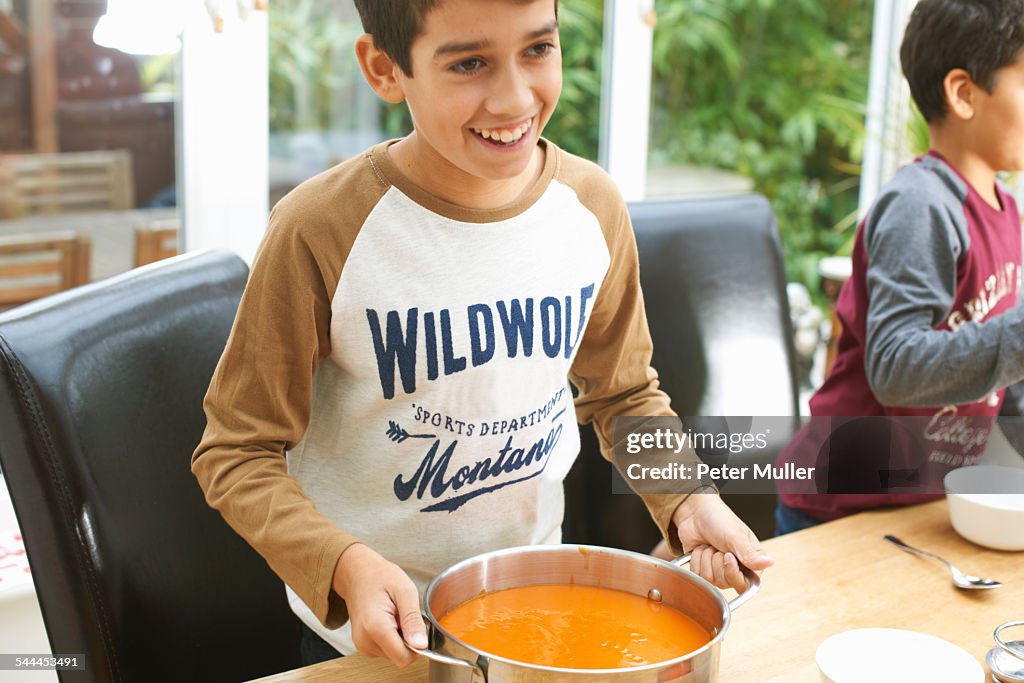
[775, 90]
[308, 41]
[575, 124]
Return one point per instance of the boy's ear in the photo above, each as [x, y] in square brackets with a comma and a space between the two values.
[379, 69]
[959, 89]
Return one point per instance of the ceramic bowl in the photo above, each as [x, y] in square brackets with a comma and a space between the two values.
[986, 505]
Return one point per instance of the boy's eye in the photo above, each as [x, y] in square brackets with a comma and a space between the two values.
[468, 66]
[541, 49]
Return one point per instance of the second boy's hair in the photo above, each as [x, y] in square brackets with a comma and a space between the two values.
[979, 36]
[395, 24]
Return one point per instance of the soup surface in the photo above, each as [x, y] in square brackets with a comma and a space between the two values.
[574, 627]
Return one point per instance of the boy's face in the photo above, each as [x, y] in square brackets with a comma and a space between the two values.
[999, 119]
[482, 69]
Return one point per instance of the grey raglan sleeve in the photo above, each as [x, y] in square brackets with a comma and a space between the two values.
[914, 239]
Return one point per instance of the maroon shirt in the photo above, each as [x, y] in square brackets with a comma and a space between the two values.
[933, 265]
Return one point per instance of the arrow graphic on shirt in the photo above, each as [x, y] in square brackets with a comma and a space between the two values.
[398, 435]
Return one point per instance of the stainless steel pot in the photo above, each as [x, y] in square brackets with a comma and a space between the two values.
[453, 661]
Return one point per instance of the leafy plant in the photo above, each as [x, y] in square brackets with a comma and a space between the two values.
[308, 38]
[775, 90]
[575, 124]
[917, 131]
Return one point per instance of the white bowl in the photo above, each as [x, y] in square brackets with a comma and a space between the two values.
[986, 505]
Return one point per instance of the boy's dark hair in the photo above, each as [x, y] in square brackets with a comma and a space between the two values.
[979, 36]
[395, 24]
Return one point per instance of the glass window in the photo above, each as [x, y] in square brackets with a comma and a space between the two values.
[321, 111]
[765, 95]
[87, 132]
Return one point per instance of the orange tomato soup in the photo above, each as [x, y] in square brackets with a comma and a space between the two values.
[574, 627]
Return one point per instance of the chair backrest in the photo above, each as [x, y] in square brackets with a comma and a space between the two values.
[714, 288]
[66, 181]
[156, 241]
[714, 284]
[101, 393]
[33, 266]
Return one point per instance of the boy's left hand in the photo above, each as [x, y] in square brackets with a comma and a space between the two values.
[716, 538]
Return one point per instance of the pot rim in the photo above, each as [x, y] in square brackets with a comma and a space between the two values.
[629, 555]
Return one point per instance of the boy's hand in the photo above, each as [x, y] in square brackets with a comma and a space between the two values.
[383, 605]
[716, 538]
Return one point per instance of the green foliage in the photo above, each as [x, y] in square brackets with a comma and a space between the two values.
[775, 90]
[395, 119]
[575, 124]
[917, 131]
[158, 73]
[308, 39]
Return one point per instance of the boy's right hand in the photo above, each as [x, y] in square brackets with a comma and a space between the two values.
[383, 605]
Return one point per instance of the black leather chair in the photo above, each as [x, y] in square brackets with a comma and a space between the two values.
[715, 291]
[101, 393]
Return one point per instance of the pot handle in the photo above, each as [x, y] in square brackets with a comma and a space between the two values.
[753, 582]
[478, 675]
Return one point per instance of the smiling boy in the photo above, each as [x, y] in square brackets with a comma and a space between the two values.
[409, 329]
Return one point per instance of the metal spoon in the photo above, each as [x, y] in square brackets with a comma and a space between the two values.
[960, 580]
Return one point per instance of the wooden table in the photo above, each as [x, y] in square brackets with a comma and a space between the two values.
[828, 579]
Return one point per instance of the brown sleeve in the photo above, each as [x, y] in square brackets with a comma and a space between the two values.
[259, 401]
[612, 370]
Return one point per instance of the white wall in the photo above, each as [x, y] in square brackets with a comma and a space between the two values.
[224, 139]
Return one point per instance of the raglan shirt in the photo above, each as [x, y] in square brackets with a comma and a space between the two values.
[397, 373]
[931, 326]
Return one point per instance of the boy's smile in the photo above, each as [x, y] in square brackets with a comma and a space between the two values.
[504, 137]
[486, 76]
